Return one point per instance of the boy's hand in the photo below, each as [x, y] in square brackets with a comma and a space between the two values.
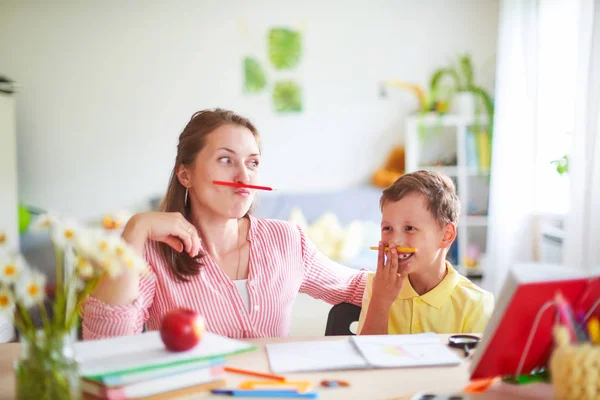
[387, 282]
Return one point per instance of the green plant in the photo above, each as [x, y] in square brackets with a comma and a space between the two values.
[46, 369]
[562, 164]
[462, 79]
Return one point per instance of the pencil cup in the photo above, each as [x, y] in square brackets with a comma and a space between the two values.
[575, 369]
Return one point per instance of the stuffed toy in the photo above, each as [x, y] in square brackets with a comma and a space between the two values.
[334, 241]
[392, 170]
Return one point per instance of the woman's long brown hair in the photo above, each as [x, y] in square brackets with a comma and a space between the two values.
[191, 141]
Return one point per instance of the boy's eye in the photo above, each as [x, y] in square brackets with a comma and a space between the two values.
[410, 228]
[254, 163]
[386, 228]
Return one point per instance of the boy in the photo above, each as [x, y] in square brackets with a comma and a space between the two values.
[421, 292]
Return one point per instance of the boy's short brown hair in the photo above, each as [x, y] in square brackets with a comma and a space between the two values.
[442, 201]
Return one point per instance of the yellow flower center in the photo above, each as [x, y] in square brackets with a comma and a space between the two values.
[129, 263]
[10, 270]
[69, 234]
[120, 251]
[33, 290]
[46, 223]
[4, 301]
[103, 245]
[3, 238]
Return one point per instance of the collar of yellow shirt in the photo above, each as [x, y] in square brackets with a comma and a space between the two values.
[437, 296]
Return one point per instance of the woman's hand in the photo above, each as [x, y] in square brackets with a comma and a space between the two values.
[170, 228]
[388, 281]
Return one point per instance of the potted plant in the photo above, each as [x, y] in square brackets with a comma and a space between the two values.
[467, 97]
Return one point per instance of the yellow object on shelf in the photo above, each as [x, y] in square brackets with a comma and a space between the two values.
[575, 368]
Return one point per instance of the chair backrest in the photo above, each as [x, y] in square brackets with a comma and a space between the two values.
[340, 317]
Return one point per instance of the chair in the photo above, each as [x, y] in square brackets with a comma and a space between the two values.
[340, 317]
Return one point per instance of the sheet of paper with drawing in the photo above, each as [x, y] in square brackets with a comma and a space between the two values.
[314, 356]
[395, 351]
[361, 352]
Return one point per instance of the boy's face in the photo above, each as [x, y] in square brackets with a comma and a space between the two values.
[408, 223]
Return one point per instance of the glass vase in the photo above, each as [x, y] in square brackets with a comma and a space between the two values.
[47, 368]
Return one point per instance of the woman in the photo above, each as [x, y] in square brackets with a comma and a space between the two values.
[209, 254]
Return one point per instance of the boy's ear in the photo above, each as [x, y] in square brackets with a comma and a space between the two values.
[449, 235]
[183, 176]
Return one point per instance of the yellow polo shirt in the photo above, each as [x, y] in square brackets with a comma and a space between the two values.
[456, 305]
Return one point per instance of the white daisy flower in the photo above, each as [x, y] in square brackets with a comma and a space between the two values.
[111, 266]
[31, 288]
[7, 302]
[11, 268]
[64, 233]
[132, 261]
[43, 223]
[83, 268]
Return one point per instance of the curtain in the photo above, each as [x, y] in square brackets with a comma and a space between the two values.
[582, 243]
[512, 194]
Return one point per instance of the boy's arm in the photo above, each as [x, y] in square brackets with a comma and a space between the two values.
[381, 293]
[376, 320]
[376, 324]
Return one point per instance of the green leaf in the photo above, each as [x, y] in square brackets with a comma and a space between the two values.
[466, 67]
[255, 77]
[488, 103]
[287, 97]
[285, 48]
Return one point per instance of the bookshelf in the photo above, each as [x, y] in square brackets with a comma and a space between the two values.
[450, 145]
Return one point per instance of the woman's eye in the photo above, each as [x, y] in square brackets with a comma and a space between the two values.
[410, 228]
[386, 228]
[224, 160]
[253, 163]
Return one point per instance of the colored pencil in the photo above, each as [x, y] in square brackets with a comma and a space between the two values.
[253, 373]
[243, 185]
[399, 249]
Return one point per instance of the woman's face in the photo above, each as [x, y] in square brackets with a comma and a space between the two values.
[231, 154]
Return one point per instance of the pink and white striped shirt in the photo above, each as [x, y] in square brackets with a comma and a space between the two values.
[283, 262]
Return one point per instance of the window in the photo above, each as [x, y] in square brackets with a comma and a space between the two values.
[556, 94]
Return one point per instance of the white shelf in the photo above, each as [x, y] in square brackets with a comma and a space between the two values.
[449, 145]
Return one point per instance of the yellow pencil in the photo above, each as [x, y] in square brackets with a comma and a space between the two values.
[593, 326]
[399, 249]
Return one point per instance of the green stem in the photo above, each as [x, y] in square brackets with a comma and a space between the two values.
[45, 319]
[87, 290]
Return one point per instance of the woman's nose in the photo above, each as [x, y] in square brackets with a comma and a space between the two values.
[243, 175]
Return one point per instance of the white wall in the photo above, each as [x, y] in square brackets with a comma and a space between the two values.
[8, 171]
[109, 85]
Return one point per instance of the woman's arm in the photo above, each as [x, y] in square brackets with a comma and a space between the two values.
[170, 228]
[119, 306]
[102, 320]
[327, 280]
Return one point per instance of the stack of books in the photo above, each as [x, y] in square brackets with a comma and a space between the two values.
[139, 366]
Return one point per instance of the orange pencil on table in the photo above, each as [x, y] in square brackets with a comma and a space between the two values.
[253, 373]
[398, 249]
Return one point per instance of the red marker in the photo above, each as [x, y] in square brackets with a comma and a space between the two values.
[242, 185]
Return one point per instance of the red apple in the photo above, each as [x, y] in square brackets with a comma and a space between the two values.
[181, 329]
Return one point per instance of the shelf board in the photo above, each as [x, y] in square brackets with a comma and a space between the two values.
[476, 220]
[434, 119]
[454, 170]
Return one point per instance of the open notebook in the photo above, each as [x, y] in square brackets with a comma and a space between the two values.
[361, 352]
[146, 351]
